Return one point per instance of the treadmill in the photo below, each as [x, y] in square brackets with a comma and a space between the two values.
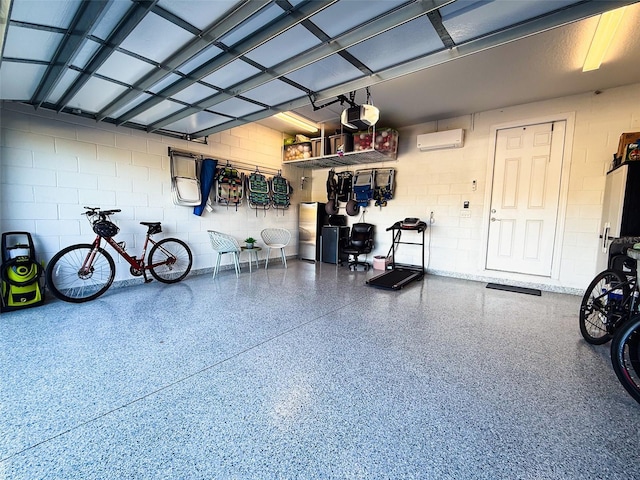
[401, 275]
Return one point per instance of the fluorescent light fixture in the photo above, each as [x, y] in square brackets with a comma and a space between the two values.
[298, 121]
[607, 26]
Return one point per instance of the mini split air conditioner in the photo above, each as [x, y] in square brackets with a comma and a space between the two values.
[441, 140]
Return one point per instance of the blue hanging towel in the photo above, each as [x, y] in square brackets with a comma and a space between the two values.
[207, 177]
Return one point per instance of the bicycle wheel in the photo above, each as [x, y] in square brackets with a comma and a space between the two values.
[69, 282]
[625, 356]
[603, 306]
[170, 260]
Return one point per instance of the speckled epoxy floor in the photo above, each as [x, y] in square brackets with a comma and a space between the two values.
[309, 373]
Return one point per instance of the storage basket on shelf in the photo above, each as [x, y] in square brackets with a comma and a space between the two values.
[316, 147]
[340, 143]
[385, 141]
[297, 151]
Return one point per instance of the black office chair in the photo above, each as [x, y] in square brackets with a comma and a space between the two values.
[360, 242]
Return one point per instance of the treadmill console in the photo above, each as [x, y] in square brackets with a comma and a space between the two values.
[410, 222]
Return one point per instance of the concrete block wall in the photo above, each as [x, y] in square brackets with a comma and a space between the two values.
[53, 165]
[440, 181]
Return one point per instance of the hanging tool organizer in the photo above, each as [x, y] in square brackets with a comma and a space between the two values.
[232, 182]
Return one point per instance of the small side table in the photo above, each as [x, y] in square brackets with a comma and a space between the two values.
[253, 255]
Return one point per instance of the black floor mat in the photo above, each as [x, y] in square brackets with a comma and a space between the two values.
[510, 288]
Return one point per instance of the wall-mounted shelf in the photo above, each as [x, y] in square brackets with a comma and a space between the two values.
[346, 159]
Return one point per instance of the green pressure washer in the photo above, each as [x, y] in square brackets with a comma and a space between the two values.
[21, 274]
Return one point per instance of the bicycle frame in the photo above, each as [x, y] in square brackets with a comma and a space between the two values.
[627, 306]
[135, 262]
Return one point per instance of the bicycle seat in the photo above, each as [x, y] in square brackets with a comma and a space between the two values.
[154, 227]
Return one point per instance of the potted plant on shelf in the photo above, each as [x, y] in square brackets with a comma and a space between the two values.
[250, 242]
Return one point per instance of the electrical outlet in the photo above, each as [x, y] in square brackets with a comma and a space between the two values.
[465, 213]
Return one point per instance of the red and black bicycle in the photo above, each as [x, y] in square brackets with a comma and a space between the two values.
[83, 272]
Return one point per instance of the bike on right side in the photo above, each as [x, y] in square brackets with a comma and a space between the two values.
[610, 310]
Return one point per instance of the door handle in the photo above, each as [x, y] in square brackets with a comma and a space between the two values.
[605, 235]
[494, 219]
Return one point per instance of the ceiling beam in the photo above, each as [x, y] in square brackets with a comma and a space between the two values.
[381, 24]
[84, 19]
[537, 25]
[5, 7]
[131, 19]
[206, 37]
[234, 52]
[436, 21]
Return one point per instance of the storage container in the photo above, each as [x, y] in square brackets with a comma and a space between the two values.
[316, 147]
[632, 153]
[297, 151]
[342, 142]
[380, 262]
[385, 141]
[626, 139]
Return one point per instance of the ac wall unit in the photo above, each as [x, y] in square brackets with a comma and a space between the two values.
[441, 140]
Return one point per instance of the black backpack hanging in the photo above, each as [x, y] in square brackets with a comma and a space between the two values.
[344, 187]
[331, 207]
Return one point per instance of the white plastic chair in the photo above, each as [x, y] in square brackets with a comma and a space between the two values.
[223, 243]
[276, 238]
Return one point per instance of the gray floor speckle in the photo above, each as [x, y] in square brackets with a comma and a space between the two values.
[309, 373]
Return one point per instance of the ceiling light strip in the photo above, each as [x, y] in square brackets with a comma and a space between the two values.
[297, 121]
[605, 31]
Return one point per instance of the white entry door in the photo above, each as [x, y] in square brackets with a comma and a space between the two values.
[524, 200]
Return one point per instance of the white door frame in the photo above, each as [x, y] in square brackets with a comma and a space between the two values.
[569, 118]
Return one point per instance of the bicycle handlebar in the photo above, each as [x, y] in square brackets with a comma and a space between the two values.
[91, 211]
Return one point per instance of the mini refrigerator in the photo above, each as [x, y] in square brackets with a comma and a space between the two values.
[333, 240]
[311, 218]
[620, 208]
